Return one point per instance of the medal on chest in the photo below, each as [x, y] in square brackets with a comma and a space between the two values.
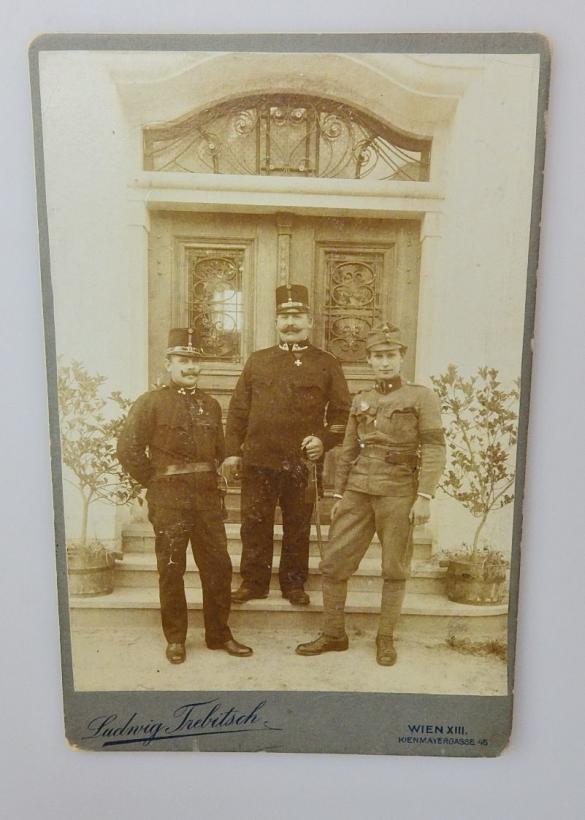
[195, 405]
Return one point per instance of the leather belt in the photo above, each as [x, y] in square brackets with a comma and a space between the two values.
[389, 455]
[186, 469]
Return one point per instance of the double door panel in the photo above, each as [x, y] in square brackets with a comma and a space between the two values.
[218, 273]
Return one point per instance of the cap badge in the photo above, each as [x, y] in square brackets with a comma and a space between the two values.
[388, 330]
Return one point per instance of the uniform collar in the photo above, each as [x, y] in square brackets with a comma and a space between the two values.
[184, 391]
[385, 386]
[295, 347]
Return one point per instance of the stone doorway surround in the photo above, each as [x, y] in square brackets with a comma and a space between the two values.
[416, 95]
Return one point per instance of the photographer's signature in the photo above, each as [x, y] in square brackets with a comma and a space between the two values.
[197, 719]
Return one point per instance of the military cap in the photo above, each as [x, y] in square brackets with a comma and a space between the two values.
[292, 299]
[182, 342]
[384, 337]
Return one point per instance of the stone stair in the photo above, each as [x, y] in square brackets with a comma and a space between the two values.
[138, 570]
[427, 612]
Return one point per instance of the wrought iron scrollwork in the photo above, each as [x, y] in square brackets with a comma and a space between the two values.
[352, 302]
[286, 135]
[215, 301]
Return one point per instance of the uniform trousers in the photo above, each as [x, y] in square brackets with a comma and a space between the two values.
[174, 529]
[359, 516]
[262, 489]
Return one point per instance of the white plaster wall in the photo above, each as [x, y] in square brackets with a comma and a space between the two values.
[479, 282]
[99, 284]
[98, 257]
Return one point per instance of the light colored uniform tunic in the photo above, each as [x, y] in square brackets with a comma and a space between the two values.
[393, 448]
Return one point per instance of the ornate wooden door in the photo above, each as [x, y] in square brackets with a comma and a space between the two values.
[359, 271]
[218, 271]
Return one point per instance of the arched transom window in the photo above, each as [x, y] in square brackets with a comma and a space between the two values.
[286, 135]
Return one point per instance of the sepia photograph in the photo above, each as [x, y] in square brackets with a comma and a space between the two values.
[289, 297]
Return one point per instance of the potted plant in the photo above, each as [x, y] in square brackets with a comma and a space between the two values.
[90, 568]
[88, 449]
[481, 423]
[476, 576]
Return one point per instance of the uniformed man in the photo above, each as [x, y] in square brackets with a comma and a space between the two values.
[390, 463]
[172, 443]
[290, 405]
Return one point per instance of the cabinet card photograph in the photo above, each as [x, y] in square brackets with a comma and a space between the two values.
[289, 288]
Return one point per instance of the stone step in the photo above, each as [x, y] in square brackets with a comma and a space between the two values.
[426, 616]
[234, 495]
[139, 570]
[139, 537]
[232, 504]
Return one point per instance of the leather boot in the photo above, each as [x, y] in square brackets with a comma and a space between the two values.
[385, 651]
[244, 593]
[232, 647]
[175, 652]
[297, 596]
[323, 644]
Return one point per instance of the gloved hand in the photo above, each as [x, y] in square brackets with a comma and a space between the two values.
[312, 447]
[231, 468]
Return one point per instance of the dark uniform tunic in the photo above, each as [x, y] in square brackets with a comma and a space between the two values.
[393, 448]
[172, 443]
[284, 394]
